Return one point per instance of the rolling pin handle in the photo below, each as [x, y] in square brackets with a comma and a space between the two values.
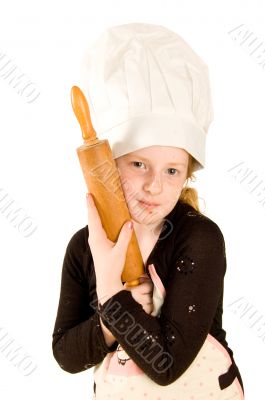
[81, 110]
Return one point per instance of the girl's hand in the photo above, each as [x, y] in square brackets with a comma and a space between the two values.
[143, 293]
[108, 257]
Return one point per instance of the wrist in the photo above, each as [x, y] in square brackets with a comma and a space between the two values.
[104, 292]
[108, 336]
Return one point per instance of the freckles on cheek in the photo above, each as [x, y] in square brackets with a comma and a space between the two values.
[173, 194]
[128, 186]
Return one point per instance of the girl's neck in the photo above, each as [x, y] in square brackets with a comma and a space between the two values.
[147, 232]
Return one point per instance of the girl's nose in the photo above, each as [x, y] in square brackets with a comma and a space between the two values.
[154, 184]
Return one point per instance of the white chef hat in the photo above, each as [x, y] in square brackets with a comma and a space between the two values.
[145, 86]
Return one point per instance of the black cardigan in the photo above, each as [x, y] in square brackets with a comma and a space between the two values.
[189, 258]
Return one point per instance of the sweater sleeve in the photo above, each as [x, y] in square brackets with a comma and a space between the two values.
[78, 342]
[164, 346]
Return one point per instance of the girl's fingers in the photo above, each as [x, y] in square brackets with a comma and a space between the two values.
[94, 221]
[124, 237]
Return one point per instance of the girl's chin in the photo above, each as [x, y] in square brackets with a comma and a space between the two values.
[145, 216]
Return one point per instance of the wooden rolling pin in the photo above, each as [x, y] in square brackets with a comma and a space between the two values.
[103, 181]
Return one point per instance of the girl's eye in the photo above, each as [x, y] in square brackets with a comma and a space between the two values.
[174, 169]
[136, 162]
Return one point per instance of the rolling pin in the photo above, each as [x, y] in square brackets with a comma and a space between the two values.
[103, 181]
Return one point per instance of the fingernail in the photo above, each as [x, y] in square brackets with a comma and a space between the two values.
[89, 198]
[130, 225]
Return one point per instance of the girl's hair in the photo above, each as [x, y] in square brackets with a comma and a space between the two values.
[188, 194]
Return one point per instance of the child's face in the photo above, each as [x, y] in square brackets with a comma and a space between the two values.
[155, 174]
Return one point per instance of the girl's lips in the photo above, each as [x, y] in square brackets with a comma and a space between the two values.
[151, 205]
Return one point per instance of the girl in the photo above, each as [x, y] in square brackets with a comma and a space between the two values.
[149, 92]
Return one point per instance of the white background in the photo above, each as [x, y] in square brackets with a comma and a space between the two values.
[39, 170]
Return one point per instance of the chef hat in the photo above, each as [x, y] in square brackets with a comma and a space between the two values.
[145, 86]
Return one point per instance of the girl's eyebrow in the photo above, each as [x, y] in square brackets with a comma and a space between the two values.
[146, 160]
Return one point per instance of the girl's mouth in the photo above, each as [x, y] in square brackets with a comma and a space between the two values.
[147, 205]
